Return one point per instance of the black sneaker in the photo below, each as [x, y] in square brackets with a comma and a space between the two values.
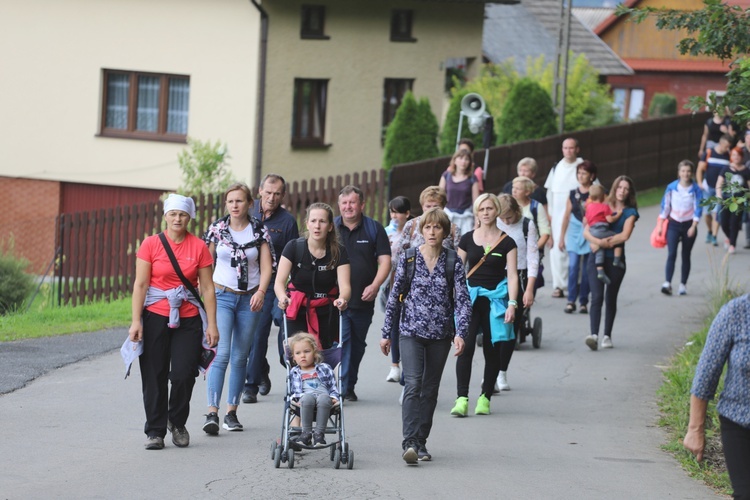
[180, 436]
[351, 395]
[230, 422]
[319, 439]
[410, 455]
[212, 424]
[422, 454]
[154, 443]
[265, 385]
[305, 438]
[249, 397]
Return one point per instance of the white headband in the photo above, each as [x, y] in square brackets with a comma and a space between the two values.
[179, 202]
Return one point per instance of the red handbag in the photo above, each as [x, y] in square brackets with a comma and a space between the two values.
[656, 240]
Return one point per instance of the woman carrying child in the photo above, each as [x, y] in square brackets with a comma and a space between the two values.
[427, 323]
[493, 286]
[523, 231]
[313, 387]
[572, 240]
[320, 278]
[681, 207]
[599, 216]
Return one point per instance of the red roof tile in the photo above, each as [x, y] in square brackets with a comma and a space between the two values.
[681, 65]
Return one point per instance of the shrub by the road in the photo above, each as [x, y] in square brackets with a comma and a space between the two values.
[15, 284]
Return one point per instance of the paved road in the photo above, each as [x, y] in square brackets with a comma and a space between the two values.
[577, 424]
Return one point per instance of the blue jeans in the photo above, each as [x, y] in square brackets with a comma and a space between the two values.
[257, 365]
[576, 264]
[423, 361]
[236, 323]
[354, 326]
[677, 231]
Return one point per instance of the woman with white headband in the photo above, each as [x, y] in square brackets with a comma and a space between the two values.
[171, 322]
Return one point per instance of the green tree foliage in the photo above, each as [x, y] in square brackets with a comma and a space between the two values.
[527, 113]
[716, 30]
[662, 105]
[412, 135]
[15, 284]
[204, 168]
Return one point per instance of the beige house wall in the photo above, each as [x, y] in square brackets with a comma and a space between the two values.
[53, 53]
[356, 60]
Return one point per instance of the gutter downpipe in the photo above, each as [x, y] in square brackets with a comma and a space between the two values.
[260, 121]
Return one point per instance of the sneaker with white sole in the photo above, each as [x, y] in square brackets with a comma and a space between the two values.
[410, 455]
[154, 443]
[495, 390]
[180, 435]
[211, 426]
[593, 342]
[666, 288]
[394, 375]
[682, 290]
[607, 342]
[231, 423]
[502, 381]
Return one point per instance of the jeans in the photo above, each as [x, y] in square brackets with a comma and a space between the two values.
[731, 223]
[355, 324]
[236, 323]
[736, 442]
[600, 296]
[423, 361]
[169, 355]
[257, 365]
[577, 266]
[676, 232]
[307, 405]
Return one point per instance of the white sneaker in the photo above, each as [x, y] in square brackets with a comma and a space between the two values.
[593, 342]
[502, 381]
[394, 375]
[606, 342]
[682, 290]
[401, 397]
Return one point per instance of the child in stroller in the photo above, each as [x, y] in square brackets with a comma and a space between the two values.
[313, 389]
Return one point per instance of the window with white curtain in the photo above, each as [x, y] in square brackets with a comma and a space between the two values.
[141, 105]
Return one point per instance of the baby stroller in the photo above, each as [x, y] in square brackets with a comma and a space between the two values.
[530, 328]
[283, 449]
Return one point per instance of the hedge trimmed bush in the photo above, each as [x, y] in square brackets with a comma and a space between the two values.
[527, 113]
[15, 284]
[412, 135]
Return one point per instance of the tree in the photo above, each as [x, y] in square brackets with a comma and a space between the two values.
[716, 30]
[662, 105]
[204, 168]
[527, 113]
[412, 135]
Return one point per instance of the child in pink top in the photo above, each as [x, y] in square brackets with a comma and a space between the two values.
[599, 216]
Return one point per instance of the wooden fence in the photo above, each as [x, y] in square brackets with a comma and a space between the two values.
[97, 249]
[647, 151]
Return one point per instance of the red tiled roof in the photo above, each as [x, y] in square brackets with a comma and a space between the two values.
[682, 65]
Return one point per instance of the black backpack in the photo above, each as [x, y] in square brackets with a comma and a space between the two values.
[411, 262]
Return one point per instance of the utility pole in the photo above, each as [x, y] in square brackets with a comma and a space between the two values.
[560, 86]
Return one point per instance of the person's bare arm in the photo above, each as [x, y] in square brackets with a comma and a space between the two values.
[140, 287]
[206, 284]
[700, 171]
[282, 276]
[565, 221]
[695, 439]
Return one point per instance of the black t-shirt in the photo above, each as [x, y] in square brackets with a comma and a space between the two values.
[312, 276]
[363, 257]
[739, 178]
[492, 272]
[539, 193]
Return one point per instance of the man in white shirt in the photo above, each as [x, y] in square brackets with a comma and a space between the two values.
[560, 181]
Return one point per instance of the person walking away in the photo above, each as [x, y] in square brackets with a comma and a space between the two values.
[370, 257]
[681, 206]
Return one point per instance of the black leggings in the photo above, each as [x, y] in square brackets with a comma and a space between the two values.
[496, 357]
[731, 223]
[736, 442]
[600, 296]
[676, 232]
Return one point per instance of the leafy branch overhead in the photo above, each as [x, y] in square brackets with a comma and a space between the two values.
[716, 30]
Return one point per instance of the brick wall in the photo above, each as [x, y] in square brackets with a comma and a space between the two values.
[29, 208]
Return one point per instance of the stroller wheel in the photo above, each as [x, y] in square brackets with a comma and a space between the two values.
[333, 452]
[337, 458]
[277, 457]
[350, 460]
[290, 458]
[536, 333]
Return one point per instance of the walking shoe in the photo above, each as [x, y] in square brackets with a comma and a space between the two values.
[584, 309]
[319, 439]
[714, 241]
[211, 426]
[410, 455]
[401, 397]
[265, 386]
[666, 288]
[708, 237]
[249, 397]
[682, 290]
[461, 408]
[617, 262]
[606, 342]
[231, 423]
[593, 342]
[483, 406]
[731, 250]
[495, 390]
[394, 375]
[180, 435]
[726, 243]
[154, 443]
[351, 396]
[304, 438]
[502, 381]
[422, 454]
